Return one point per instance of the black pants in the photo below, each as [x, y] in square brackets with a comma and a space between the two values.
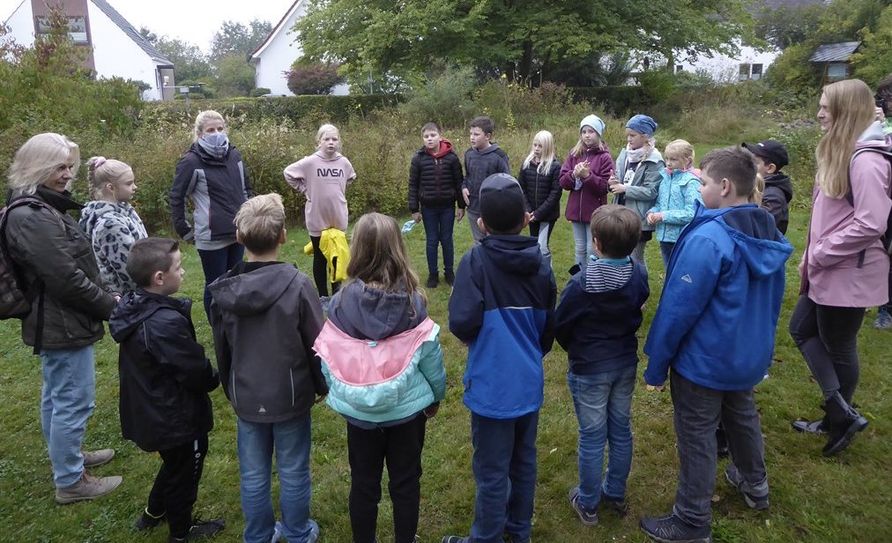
[320, 269]
[827, 337]
[176, 485]
[400, 446]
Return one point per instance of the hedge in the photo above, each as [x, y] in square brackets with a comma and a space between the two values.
[615, 99]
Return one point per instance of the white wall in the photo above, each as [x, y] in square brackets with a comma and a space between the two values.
[116, 55]
[725, 69]
[21, 25]
[278, 55]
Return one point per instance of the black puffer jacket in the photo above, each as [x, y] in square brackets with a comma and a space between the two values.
[50, 247]
[165, 376]
[435, 180]
[542, 191]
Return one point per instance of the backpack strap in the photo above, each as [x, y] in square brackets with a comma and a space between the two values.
[850, 198]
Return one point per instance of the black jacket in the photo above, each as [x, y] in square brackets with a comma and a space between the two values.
[542, 191]
[435, 180]
[478, 166]
[265, 318]
[217, 189]
[49, 247]
[776, 199]
[165, 376]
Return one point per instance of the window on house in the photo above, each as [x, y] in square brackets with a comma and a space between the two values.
[744, 73]
[757, 72]
[77, 28]
[679, 69]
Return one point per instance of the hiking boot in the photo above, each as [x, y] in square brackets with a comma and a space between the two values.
[449, 276]
[97, 458]
[147, 521]
[202, 529]
[755, 496]
[844, 423]
[671, 529]
[432, 280]
[810, 426]
[88, 488]
[617, 505]
[883, 320]
[589, 518]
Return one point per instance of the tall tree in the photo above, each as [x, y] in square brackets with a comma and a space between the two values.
[238, 39]
[190, 63]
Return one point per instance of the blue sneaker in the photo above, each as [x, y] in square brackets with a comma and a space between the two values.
[883, 320]
[314, 531]
[589, 518]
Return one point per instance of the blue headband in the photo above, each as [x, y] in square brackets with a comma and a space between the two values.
[643, 124]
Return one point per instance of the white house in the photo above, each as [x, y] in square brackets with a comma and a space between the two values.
[750, 63]
[276, 54]
[116, 48]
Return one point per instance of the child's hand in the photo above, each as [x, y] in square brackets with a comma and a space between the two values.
[612, 180]
[466, 194]
[654, 218]
[582, 170]
[459, 214]
[618, 188]
[416, 217]
[655, 388]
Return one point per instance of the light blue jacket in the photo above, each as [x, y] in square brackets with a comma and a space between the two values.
[679, 193]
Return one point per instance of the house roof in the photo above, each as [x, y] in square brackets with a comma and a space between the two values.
[834, 52]
[280, 26]
[131, 32]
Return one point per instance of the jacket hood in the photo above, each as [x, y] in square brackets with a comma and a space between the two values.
[445, 148]
[493, 147]
[254, 292]
[138, 305]
[95, 210]
[207, 157]
[873, 136]
[323, 157]
[752, 230]
[60, 200]
[782, 182]
[515, 254]
[365, 312]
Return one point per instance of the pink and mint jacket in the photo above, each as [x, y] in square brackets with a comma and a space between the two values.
[381, 355]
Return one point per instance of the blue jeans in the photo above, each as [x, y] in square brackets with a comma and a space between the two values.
[504, 466]
[582, 242]
[666, 248]
[603, 404]
[68, 397]
[291, 441]
[438, 231]
[216, 263]
[698, 411]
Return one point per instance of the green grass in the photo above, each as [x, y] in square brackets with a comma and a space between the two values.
[848, 498]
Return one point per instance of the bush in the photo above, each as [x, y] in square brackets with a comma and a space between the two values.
[617, 100]
[444, 99]
[513, 105]
[260, 91]
[312, 78]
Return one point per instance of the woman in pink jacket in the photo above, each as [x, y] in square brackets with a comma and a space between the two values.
[845, 266]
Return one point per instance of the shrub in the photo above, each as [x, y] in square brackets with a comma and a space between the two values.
[617, 100]
[445, 99]
[312, 78]
[260, 91]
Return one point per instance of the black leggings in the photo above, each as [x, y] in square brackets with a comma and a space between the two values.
[827, 337]
[320, 269]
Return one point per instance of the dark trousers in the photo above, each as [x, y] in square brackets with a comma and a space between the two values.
[698, 411]
[438, 224]
[888, 306]
[215, 263]
[827, 337]
[400, 447]
[176, 485]
[666, 248]
[504, 466]
[320, 269]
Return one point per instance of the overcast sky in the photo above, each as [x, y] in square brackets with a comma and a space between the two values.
[194, 21]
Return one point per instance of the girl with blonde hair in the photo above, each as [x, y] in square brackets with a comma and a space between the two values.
[844, 267]
[677, 198]
[382, 360]
[539, 178]
[112, 224]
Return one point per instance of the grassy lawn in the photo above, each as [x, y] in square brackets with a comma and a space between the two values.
[848, 498]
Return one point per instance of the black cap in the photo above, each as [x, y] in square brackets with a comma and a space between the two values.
[771, 151]
[502, 206]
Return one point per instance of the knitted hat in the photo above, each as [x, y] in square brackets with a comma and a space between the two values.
[771, 151]
[501, 203]
[593, 121]
[643, 125]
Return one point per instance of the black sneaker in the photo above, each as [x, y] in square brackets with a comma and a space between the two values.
[201, 529]
[432, 281]
[455, 539]
[449, 276]
[147, 521]
[671, 529]
[617, 505]
[756, 497]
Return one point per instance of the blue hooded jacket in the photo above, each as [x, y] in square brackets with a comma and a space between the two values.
[502, 307]
[718, 314]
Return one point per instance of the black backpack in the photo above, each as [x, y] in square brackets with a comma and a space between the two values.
[15, 297]
[887, 237]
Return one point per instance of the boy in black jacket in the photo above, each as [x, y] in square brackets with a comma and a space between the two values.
[771, 157]
[165, 379]
[265, 316]
[435, 183]
[482, 159]
[596, 322]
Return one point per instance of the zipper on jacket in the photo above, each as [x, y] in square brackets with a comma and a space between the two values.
[232, 387]
[291, 376]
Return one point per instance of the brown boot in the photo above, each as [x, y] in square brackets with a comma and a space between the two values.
[88, 488]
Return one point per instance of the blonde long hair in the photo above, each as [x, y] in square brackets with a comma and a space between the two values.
[378, 256]
[38, 159]
[851, 108]
[579, 148]
[546, 140]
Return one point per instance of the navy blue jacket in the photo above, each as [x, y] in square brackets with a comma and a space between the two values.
[597, 329]
[502, 307]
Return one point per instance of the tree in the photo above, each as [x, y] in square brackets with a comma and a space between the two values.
[873, 61]
[517, 38]
[785, 26]
[189, 63]
[234, 76]
[312, 77]
[237, 39]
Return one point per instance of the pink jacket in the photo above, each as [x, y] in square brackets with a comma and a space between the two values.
[845, 262]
